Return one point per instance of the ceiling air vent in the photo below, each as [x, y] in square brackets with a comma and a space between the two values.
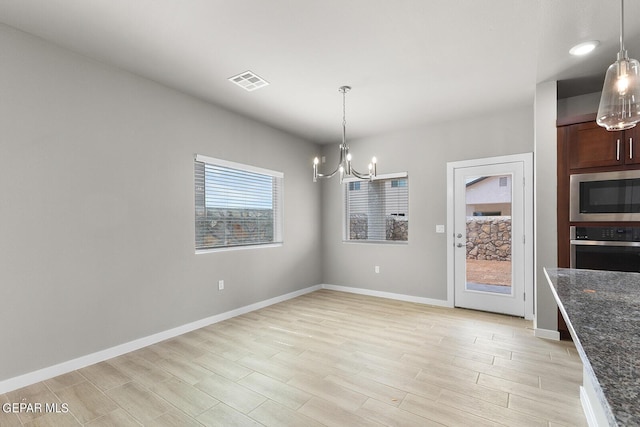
[249, 81]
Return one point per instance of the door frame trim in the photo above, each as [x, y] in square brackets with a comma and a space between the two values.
[527, 159]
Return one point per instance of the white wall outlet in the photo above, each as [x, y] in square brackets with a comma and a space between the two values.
[439, 228]
[376, 269]
[324, 159]
[220, 285]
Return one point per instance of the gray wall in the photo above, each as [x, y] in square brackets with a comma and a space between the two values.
[577, 105]
[546, 248]
[419, 267]
[96, 208]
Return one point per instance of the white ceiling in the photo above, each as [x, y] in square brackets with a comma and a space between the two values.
[410, 62]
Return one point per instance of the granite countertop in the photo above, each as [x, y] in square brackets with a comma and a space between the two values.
[602, 311]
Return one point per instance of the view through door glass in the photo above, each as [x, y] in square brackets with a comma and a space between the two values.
[488, 212]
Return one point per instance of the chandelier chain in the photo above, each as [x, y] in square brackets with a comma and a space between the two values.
[344, 108]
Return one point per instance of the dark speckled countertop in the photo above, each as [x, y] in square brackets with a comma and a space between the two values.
[602, 311]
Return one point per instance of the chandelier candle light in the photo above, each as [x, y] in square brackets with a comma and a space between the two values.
[619, 107]
[344, 164]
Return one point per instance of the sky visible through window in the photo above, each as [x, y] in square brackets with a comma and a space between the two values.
[236, 189]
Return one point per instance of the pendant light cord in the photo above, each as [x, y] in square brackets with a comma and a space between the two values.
[344, 90]
[621, 25]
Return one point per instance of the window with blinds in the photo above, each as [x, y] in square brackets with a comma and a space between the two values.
[236, 205]
[378, 210]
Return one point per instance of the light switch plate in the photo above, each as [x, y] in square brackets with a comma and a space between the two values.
[439, 228]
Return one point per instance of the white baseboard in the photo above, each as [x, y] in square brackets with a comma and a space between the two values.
[546, 334]
[109, 353]
[587, 408]
[389, 295]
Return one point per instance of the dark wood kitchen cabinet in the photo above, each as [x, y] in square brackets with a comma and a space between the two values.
[592, 146]
[585, 147]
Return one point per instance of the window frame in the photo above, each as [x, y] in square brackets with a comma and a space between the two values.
[277, 206]
[345, 221]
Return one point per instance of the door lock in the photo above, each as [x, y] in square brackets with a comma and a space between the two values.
[459, 235]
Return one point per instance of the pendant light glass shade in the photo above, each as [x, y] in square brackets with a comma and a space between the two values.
[620, 100]
[619, 107]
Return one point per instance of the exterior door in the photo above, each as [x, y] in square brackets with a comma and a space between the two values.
[489, 237]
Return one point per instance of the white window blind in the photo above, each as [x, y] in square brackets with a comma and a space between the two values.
[236, 205]
[378, 210]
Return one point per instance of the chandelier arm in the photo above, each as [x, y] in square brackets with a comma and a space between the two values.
[331, 175]
[368, 176]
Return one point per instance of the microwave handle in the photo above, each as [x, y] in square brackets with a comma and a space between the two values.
[618, 149]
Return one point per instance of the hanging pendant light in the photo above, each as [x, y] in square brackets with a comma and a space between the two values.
[344, 167]
[619, 107]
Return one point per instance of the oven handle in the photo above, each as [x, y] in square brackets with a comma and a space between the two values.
[603, 243]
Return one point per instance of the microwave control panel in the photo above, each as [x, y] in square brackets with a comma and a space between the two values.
[614, 234]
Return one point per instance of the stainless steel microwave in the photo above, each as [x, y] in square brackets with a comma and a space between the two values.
[605, 196]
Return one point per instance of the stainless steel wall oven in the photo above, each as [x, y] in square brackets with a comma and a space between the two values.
[614, 248]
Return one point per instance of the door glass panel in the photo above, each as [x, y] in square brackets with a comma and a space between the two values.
[489, 242]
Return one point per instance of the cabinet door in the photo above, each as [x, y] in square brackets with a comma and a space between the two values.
[632, 146]
[592, 146]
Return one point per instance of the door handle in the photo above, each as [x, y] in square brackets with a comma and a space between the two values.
[630, 148]
[618, 150]
[459, 245]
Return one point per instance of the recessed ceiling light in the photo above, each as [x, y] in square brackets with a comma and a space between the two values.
[584, 48]
[249, 81]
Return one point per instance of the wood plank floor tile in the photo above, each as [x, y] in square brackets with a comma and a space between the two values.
[104, 376]
[140, 403]
[272, 414]
[54, 420]
[557, 413]
[511, 374]
[7, 418]
[173, 419]
[275, 390]
[223, 366]
[473, 390]
[86, 401]
[330, 391]
[184, 396]
[368, 387]
[498, 413]
[37, 393]
[119, 418]
[442, 413]
[333, 415]
[222, 415]
[392, 416]
[63, 381]
[183, 347]
[409, 385]
[544, 397]
[185, 369]
[140, 369]
[329, 358]
[230, 393]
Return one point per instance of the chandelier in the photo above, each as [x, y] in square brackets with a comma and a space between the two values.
[619, 107]
[344, 167]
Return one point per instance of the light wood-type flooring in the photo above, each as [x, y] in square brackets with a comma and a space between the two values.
[327, 358]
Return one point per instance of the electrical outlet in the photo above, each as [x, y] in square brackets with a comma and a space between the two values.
[220, 285]
[377, 269]
[439, 228]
